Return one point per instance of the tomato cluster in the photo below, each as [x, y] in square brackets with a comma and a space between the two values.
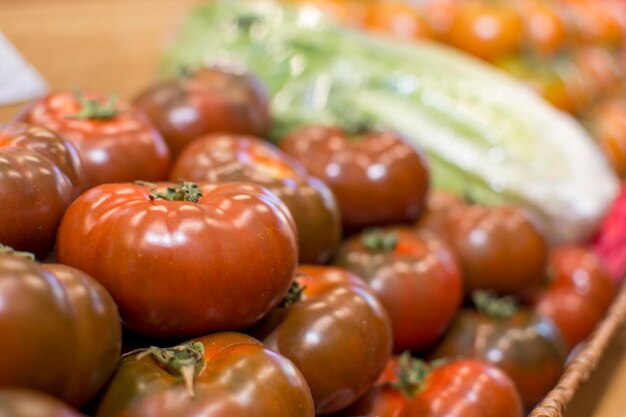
[277, 280]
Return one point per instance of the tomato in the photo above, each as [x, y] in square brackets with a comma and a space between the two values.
[499, 248]
[338, 335]
[526, 346]
[596, 23]
[609, 126]
[207, 101]
[377, 178]
[40, 175]
[351, 12]
[546, 31]
[398, 19]
[461, 388]
[220, 158]
[221, 375]
[115, 140]
[579, 294]
[24, 403]
[440, 15]
[61, 331]
[179, 263]
[599, 67]
[487, 31]
[415, 276]
[440, 206]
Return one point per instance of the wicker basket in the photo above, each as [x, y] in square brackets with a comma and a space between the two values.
[584, 363]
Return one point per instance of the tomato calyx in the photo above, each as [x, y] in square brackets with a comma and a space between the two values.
[489, 304]
[293, 296]
[185, 191]
[411, 374]
[94, 110]
[375, 240]
[185, 361]
[7, 250]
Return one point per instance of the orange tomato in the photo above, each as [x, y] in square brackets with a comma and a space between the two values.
[398, 19]
[597, 23]
[545, 29]
[609, 127]
[440, 15]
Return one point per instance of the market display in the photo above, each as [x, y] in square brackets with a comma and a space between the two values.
[354, 224]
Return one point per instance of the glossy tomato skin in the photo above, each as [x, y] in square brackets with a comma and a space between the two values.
[222, 158]
[440, 207]
[499, 248]
[527, 347]
[338, 335]
[25, 403]
[239, 377]
[397, 19]
[122, 148]
[178, 268]
[377, 179]
[579, 294]
[418, 281]
[208, 101]
[40, 175]
[61, 330]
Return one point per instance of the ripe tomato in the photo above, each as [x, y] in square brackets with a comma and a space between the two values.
[377, 178]
[459, 388]
[600, 69]
[221, 158]
[596, 23]
[179, 263]
[546, 31]
[61, 332]
[608, 123]
[338, 335]
[499, 248]
[398, 19]
[579, 294]
[40, 175]
[440, 15]
[440, 207]
[222, 375]
[487, 31]
[207, 101]
[415, 276]
[24, 403]
[526, 346]
[115, 140]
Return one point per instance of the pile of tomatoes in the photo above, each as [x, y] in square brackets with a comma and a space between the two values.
[203, 271]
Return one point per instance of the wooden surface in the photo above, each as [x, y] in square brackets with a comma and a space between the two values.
[114, 45]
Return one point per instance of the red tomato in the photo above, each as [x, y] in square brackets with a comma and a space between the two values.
[415, 275]
[207, 101]
[398, 19]
[377, 178]
[115, 140]
[440, 207]
[338, 335]
[40, 175]
[221, 158]
[222, 375]
[61, 332]
[579, 294]
[23, 403]
[181, 263]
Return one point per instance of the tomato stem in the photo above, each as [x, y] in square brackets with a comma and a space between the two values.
[489, 304]
[376, 240]
[185, 191]
[7, 250]
[411, 375]
[185, 361]
[94, 110]
[294, 294]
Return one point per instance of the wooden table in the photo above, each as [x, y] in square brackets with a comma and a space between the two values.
[115, 45]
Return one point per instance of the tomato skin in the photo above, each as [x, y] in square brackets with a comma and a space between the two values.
[527, 347]
[180, 269]
[61, 330]
[418, 282]
[24, 403]
[240, 378]
[397, 19]
[211, 100]
[609, 127]
[377, 179]
[546, 31]
[221, 158]
[499, 248]
[123, 148]
[40, 175]
[579, 294]
[338, 335]
[440, 206]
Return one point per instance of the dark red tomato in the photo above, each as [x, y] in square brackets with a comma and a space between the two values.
[222, 375]
[179, 263]
[440, 207]
[209, 100]
[40, 175]
[378, 178]
[115, 140]
[60, 328]
[24, 403]
[579, 294]
[499, 248]
[414, 274]
[526, 346]
[338, 334]
[463, 388]
[221, 158]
